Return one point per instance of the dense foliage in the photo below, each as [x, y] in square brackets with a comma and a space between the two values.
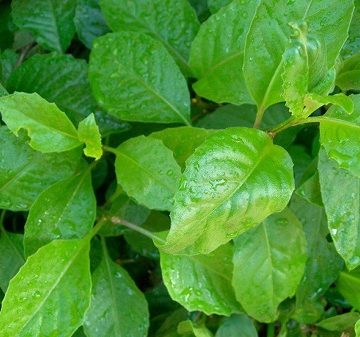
[175, 168]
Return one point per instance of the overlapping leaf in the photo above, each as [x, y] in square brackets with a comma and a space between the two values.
[232, 182]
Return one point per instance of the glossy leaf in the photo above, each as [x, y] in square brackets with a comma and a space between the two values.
[348, 285]
[348, 77]
[50, 22]
[340, 136]
[24, 174]
[342, 210]
[231, 183]
[11, 256]
[268, 37]
[89, 21]
[118, 308]
[323, 262]
[237, 326]
[134, 78]
[173, 23]
[217, 54]
[150, 182]
[201, 282]
[89, 134]
[216, 5]
[66, 210]
[352, 44]
[262, 256]
[54, 282]
[182, 141]
[340, 322]
[47, 126]
[60, 79]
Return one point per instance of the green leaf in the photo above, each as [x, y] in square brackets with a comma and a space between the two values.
[323, 262]
[60, 79]
[340, 136]
[268, 38]
[3, 91]
[11, 256]
[341, 209]
[25, 173]
[118, 308]
[54, 282]
[216, 5]
[348, 77]
[201, 282]
[48, 127]
[148, 172]
[182, 141]
[50, 22]
[352, 44]
[339, 322]
[89, 21]
[66, 210]
[189, 328]
[262, 256]
[134, 78]
[173, 23]
[170, 324]
[217, 53]
[348, 285]
[237, 326]
[8, 60]
[310, 190]
[306, 73]
[201, 8]
[6, 36]
[231, 183]
[89, 134]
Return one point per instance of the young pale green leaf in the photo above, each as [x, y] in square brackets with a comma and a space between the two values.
[305, 73]
[118, 308]
[173, 23]
[268, 36]
[189, 328]
[339, 322]
[323, 262]
[25, 173]
[237, 326]
[11, 256]
[54, 282]
[357, 328]
[231, 183]
[348, 285]
[182, 141]
[48, 127]
[348, 77]
[147, 171]
[89, 134]
[262, 256]
[201, 282]
[342, 210]
[217, 54]
[134, 78]
[216, 5]
[340, 136]
[60, 79]
[66, 210]
[89, 21]
[50, 22]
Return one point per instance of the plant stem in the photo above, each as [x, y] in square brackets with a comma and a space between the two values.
[259, 117]
[270, 332]
[294, 122]
[109, 149]
[136, 228]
